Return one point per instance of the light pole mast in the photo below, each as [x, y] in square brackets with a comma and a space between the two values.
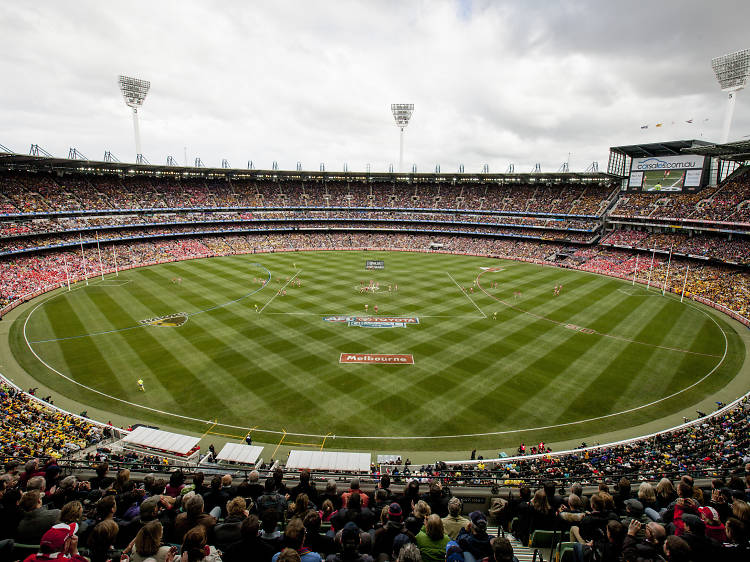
[402, 113]
[134, 93]
[731, 71]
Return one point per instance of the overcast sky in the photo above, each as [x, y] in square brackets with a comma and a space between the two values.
[312, 81]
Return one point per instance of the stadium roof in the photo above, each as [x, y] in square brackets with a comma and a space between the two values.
[738, 151]
[668, 148]
[23, 162]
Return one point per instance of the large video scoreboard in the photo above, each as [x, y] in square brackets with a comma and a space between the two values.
[668, 173]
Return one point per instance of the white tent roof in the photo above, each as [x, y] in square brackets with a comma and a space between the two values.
[319, 460]
[173, 443]
[242, 454]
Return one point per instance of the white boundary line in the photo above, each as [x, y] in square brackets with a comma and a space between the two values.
[467, 295]
[636, 294]
[389, 437]
[277, 292]
[112, 282]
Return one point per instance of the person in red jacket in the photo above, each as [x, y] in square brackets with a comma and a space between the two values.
[714, 527]
[683, 506]
[59, 543]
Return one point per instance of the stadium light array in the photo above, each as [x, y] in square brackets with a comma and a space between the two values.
[732, 72]
[402, 114]
[134, 93]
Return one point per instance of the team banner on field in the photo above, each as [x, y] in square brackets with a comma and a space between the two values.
[169, 321]
[379, 358]
[373, 321]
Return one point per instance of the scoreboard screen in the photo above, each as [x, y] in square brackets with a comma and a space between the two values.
[666, 173]
[663, 180]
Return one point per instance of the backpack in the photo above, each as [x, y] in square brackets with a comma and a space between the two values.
[497, 507]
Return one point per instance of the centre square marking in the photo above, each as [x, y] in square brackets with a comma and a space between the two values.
[379, 358]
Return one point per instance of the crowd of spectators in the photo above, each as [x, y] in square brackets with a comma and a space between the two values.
[735, 250]
[40, 192]
[34, 243]
[114, 517]
[728, 202]
[30, 428]
[670, 521]
[23, 275]
[39, 226]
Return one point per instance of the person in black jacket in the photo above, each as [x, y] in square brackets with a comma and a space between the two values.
[437, 499]
[385, 535]
[254, 489]
[322, 544]
[228, 532]
[278, 480]
[650, 548]
[738, 547]
[542, 516]
[593, 525]
[409, 498]
[216, 497]
[198, 484]
[304, 487]
[331, 494]
[362, 516]
[271, 500]
[250, 548]
[10, 513]
[702, 547]
[474, 540]
[350, 543]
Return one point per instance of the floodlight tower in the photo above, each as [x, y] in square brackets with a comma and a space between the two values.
[731, 71]
[402, 113]
[134, 92]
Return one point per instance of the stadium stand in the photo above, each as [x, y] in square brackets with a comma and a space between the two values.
[53, 499]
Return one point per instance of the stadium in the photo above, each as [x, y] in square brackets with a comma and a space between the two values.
[280, 333]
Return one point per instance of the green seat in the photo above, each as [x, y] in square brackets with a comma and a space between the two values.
[542, 539]
[564, 551]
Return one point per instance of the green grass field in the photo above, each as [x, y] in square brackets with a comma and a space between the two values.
[248, 357]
